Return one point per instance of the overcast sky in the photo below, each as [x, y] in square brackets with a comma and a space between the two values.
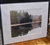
[32, 11]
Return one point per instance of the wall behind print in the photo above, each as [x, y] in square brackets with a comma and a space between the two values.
[0, 16]
[18, 1]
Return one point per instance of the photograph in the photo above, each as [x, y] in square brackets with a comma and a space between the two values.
[22, 22]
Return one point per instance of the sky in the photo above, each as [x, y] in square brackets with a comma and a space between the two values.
[32, 11]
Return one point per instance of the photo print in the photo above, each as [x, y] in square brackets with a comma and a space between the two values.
[23, 21]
